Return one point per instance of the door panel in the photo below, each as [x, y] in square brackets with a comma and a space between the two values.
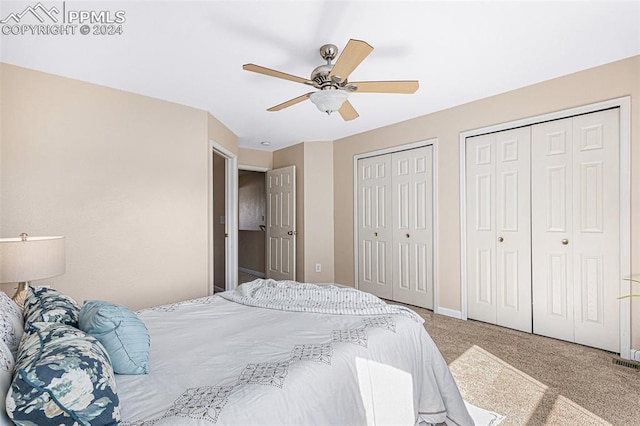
[513, 227]
[481, 232]
[552, 221]
[374, 229]
[596, 232]
[281, 221]
[412, 180]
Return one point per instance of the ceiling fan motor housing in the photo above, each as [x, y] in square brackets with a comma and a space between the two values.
[320, 76]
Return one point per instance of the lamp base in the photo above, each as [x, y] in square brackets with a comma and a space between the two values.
[21, 294]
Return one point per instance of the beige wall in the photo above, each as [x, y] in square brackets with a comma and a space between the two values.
[251, 250]
[255, 158]
[613, 80]
[314, 207]
[122, 176]
[220, 134]
[294, 156]
[318, 211]
[1, 133]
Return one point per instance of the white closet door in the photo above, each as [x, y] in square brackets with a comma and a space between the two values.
[552, 224]
[499, 228]
[374, 226]
[412, 179]
[596, 226]
[575, 229]
[513, 226]
[481, 228]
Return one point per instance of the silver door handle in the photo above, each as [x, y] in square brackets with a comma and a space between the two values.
[500, 239]
[565, 242]
[292, 233]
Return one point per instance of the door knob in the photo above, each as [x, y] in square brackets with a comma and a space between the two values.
[292, 233]
[500, 239]
[565, 242]
[375, 234]
[408, 235]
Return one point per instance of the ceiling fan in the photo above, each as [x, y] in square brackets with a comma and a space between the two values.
[331, 80]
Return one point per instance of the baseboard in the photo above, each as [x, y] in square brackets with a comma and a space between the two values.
[448, 312]
[252, 272]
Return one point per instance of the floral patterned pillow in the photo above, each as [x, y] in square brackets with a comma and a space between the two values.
[62, 376]
[45, 304]
[11, 323]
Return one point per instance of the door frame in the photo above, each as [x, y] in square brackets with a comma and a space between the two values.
[231, 215]
[624, 104]
[419, 144]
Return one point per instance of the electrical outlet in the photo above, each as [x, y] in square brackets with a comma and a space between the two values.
[318, 267]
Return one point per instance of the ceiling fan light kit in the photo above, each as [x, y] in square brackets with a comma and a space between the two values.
[328, 100]
[331, 80]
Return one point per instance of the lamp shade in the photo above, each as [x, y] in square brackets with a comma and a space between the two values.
[328, 100]
[32, 258]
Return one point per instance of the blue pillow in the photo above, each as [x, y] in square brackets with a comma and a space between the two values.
[63, 377]
[45, 304]
[121, 332]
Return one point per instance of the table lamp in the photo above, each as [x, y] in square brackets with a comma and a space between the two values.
[26, 259]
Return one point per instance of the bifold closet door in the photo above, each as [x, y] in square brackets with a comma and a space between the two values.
[575, 229]
[498, 227]
[412, 179]
[374, 226]
[395, 226]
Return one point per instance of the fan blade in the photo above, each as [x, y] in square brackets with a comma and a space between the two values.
[408, 86]
[290, 102]
[354, 52]
[274, 73]
[348, 112]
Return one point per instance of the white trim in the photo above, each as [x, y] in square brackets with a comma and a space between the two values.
[252, 272]
[625, 227]
[231, 215]
[449, 312]
[434, 226]
[356, 157]
[463, 225]
[624, 104]
[253, 168]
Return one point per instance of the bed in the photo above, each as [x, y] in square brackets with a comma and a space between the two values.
[285, 353]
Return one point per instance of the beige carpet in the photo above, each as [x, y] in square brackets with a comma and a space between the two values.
[535, 380]
[487, 381]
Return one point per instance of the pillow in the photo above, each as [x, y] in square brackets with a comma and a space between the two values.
[11, 323]
[121, 332]
[6, 372]
[45, 304]
[62, 376]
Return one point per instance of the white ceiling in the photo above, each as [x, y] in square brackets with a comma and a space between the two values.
[192, 53]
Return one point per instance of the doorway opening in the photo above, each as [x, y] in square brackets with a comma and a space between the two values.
[219, 221]
[251, 225]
